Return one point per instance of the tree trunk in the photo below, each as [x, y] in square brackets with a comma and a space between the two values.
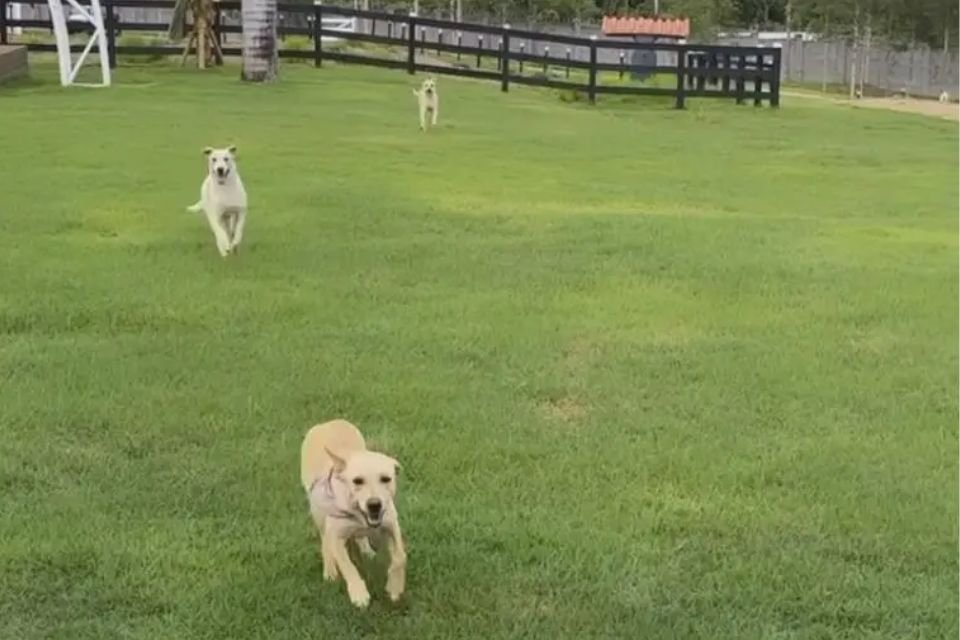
[259, 40]
[788, 45]
[826, 30]
[865, 69]
[200, 25]
[856, 51]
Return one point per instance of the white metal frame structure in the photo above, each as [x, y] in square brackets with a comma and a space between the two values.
[93, 15]
[348, 25]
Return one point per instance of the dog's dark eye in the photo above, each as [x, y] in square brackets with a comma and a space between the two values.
[385, 479]
[358, 482]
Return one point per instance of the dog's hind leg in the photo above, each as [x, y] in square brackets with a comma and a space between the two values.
[229, 223]
[223, 242]
[239, 220]
[363, 544]
[436, 113]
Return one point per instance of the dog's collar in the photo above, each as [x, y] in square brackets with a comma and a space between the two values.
[326, 485]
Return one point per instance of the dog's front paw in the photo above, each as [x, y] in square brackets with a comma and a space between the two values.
[396, 581]
[330, 573]
[394, 592]
[359, 595]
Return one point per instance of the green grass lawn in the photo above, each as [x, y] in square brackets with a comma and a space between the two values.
[651, 374]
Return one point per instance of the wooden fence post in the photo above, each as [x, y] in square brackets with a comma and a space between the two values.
[758, 81]
[317, 36]
[681, 79]
[592, 87]
[111, 28]
[775, 81]
[3, 21]
[726, 77]
[505, 60]
[741, 82]
[412, 44]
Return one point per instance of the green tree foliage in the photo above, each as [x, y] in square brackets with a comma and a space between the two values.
[931, 22]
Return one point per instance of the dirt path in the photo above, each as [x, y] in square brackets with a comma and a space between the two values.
[949, 110]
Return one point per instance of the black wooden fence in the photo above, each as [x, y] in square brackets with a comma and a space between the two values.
[496, 53]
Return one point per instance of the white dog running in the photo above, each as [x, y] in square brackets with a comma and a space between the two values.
[428, 101]
[223, 199]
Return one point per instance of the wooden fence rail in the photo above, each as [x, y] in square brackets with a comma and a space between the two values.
[496, 53]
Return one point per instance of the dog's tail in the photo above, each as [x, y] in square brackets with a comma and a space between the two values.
[196, 207]
[416, 93]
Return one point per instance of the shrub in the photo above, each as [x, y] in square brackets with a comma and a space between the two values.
[141, 41]
[298, 43]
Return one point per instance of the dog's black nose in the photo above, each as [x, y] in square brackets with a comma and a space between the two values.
[374, 506]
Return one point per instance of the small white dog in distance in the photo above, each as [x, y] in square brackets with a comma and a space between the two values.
[223, 199]
[351, 494]
[428, 102]
[944, 97]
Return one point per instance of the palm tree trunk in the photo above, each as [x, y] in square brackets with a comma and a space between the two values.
[259, 40]
[200, 24]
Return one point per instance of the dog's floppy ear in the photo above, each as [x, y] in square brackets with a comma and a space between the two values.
[339, 464]
[232, 149]
[396, 466]
[207, 151]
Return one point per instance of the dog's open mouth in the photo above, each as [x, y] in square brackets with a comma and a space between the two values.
[372, 521]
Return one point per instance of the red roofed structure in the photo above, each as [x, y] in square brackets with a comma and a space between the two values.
[678, 28]
[640, 29]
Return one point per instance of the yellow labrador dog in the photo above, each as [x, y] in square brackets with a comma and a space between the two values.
[351, 490]
[428, 102]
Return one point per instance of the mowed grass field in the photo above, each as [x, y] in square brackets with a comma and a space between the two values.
[651, 374]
